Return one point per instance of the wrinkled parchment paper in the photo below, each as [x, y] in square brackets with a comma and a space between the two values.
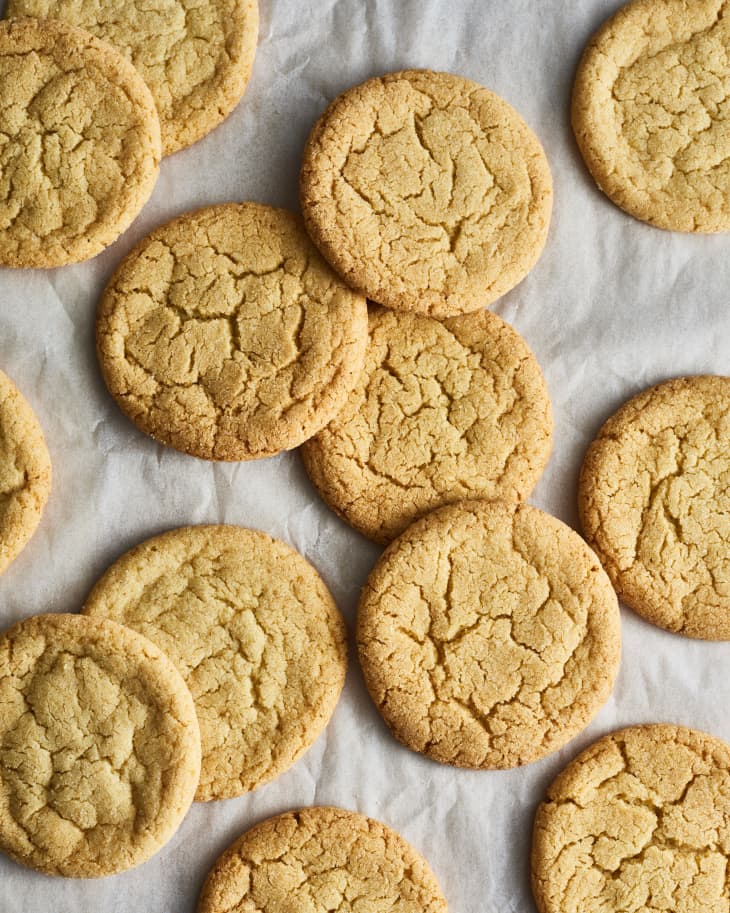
[612, 306]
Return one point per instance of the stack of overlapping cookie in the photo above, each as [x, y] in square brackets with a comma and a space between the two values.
[488, 631]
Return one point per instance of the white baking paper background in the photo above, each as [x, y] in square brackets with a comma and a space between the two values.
[613, 306]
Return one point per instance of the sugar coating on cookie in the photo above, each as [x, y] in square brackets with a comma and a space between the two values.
[321, 859]
[654, 502]
[639, 821]
[254, 632]
[25, 471]
[99, 746]
[427, 192]
[442, 412]
[488, 635]
[79, 144]
[650, 112]
[195, 55]
[226, 335]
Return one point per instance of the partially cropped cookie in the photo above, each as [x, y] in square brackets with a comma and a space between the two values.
[254, 632]
[25, 471]
[319, 860]
[226, 335]
[488, 635]
[99, 746]
[441, 412]
[639, 821]
[649, 112]
[79, 144]
[427, 192]
[196, 57]
[654, 502]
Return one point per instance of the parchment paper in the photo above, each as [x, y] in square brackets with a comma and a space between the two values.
[613, 306]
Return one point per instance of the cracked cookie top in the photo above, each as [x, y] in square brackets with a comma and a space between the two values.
[79, 144]
[25, 472]
[441, 412]
[196, 57]
[254, 632]
[640, 821]
[226, 335]
[654, 502]
[488, 635]
[427, 192]
[99, 746]
[321, 859]
[651, 110]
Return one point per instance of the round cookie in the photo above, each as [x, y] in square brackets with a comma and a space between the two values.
[488, 635]
[321, 859]
[254, 632]
[99, 746]
[639, 821]
[427, 192]
[79, 144]
[226, 335]
[196, 57]
[441, 412]
[654, 502]
[649, 112]
[25, 472]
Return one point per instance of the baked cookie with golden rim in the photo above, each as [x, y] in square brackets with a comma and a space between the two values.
[654, 502]
[226, 335]
[427, 192]
[79, 144]
[196, 57]
[321, 859]
[99, 746]
[650, 112]
[489, 635]
[442, 412]
[255, 634]
[639, 821]
[25, 471]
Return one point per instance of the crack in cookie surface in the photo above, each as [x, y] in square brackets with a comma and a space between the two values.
[323, 859]
[488, 635]
[226, 335]
[639, 822]
[651, 112]
[196, 57]
[255, 634]
[25, 472]
[427, 192]
[654, 501]
[99, 746]
[441, 412]
[79, 144]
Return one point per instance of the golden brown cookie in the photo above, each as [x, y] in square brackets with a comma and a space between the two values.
[79, 144]
[25, 472]
[226, 335]
[442, 411]
[650, 112]
[99, 746]
[654, 502]
[427, 192]
[489, 635]
[254, 632]
[196, 57]
[318, 860]
[639, 822]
